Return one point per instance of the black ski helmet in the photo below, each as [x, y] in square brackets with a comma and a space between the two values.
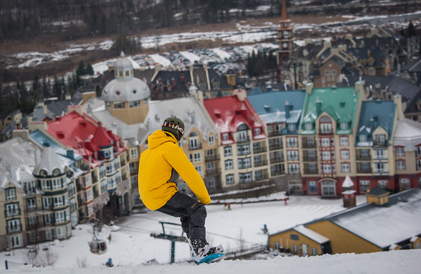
[175, 126]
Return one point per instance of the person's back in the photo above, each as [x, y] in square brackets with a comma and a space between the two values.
[159, 168]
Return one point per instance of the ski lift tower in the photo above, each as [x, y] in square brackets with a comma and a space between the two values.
[171, 238]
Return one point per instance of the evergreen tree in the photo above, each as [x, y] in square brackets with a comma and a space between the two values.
[89, 69]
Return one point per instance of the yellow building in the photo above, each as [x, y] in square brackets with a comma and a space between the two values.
[383, 223]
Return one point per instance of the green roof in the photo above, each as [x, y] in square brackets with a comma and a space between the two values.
[339, 103]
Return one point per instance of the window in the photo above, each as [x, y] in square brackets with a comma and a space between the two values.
[31, 204]
[58, 201]
[292, 155]
[293, 168]
[327, 169]
[292, 142]
[312, 187]
[134, 104]
[224, 136]
[48, 218]
[418, 152]
[383, 184]
[242, 136]
[244, 163]
[328, 189]
[381, 139]
[400, 152]
[195, 157]
[344, 125]
[400, 165]
[245, 178]
[103, 186]
[404, 184]
[291, 127]
[344, 141]
[228, 151]
[344, 154]
[380, 167]
[243, 150]
[325, 142]
[15, 241]
[326, 155]
[308, 126]
[327, 72]
[380, 154]
[194, 141]
[12, 209]
[364, 186]
[119, 105]
[365, 153]
[29, 187]
[345, 168]
[133, 166]
[313, 251]
[211, 140]
[59, 217]
[199, 169]
[102, 171]
[10, 194]
[229, 165]
[310, 141]
[133, 153]
[363, 138]
[256, 131]
[88, 195]
[210, 166]
[229, 179]
[294, 249]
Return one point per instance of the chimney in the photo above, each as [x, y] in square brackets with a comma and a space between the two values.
[372, 124]
[14, 172]
[42, 126]
[78, 109]
[318, 107]
[399, 109]
[70, 153]
[45, 109]
[309, 88]
[37, 157]
[241, 94]
[287, 109]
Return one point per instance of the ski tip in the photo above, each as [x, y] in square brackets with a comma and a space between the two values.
[211, 258]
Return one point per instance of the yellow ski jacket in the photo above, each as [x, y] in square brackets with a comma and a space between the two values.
[157, 167]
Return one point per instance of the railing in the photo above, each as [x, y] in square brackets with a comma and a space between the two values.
[363, 157]
[216, 171]
[277, 160]
[242, 153]
[364, 170]
[305, 145]
[212, 158]
[275, 133]
[124, 177]
[276, 146]
[12, 212]
[244, 166]
[13, 228]
[134, 172]
[199, 146]
[263, 177]
[380, 144]
[260, 150]
[123, 163]
[33, 226]
[260, 163]
[242, 141]
[277, 173]
[311, 171]
[94, 179]
[292, 145]
[309, 159]
[293, 158]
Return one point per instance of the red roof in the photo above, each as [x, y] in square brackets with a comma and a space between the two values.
[83, 135]
[228, 113]
[101, 137]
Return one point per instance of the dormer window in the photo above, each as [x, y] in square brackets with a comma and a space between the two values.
[363, 138]
[256, 131]
[325, 125]
[225, 136]
[107, 153]
[380, 139]
[344, 125]
[43, 173]
[215, 85]
[291, 127]
[308, 126]
[242, 133]
[56, 172]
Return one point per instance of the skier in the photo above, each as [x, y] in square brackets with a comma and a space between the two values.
[159, 167]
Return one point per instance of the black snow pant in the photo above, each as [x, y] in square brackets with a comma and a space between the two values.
[192, 215]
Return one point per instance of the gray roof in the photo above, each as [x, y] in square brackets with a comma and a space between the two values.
[407, 134]
[49, 162]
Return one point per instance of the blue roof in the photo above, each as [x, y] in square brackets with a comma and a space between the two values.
[43, 140]
[271, 106]
[381, 112]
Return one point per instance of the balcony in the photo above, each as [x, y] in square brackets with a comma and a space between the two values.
[12, 212]
[133, 172]
[309, 159]
[277, 160]
[243, 153]
[33, 226]
[245, 166]
[243, 140]
[277, 173]
[379, 143]
[261, 163]
[262, 177]
[293, 158]
[364, 170]
[123, 163]
[363, 158]
[311, 171]
[276, 146]
[94, 179]
[13, 229]
[275, 133]
[195, 147]
[305, 145]
[213, 172]
[212, 158]
[260, 150]
[325, 132]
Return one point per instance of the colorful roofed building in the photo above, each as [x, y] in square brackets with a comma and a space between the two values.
[243, 139]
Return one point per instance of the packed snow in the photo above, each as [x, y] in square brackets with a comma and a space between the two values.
[131, 244]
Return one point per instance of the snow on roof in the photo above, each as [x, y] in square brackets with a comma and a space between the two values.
[385, 225]
[311, 234]
[407, 134]
[347, 182]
